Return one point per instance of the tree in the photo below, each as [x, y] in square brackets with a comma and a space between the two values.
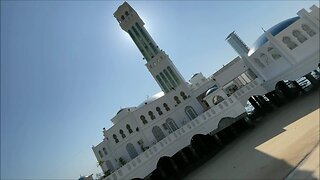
[99, 163]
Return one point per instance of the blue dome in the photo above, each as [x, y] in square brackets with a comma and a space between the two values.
[274, 31]
[212, 89]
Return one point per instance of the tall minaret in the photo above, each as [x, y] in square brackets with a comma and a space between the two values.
[158, 63]
[238, 45]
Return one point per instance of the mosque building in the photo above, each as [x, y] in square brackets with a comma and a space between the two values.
[165, 124]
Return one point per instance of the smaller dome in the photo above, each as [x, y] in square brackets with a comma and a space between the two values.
[194, 75]
[120, 110]
[128, 109]
[211, 90]
[151, 99]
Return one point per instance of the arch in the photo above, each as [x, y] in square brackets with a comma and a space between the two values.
[122, 17]
[290, 44]
[225, 122]
[122, 133]
[274, 54]
[308, 30]
[116, 140]
[143, 119]
[159, 111]
[165, 105]
[170, 78]
[151, 115]
[166, 167]
[100, 154]
[172, 126]
[176, 98]
[202, 144]
[183, 95]
[300, 37]
[264, 58]
[105, 151]
[131, 150]
[158, 133]
[109, 165]
[258, 62]
[191, 113]
[129, 128]
[217, 99]
[162, 83]
[126, 13]
[173, 75]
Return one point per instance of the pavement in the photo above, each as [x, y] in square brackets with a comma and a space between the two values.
[283, 145]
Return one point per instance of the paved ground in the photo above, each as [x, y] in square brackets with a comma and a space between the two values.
[284, 144]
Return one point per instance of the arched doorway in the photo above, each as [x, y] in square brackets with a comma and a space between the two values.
[109, 165]
[166, 168]
[171, 125]
[191, 113]
[157, 133]
[132, 151]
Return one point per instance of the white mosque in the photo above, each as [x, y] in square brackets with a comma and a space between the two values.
[167, 123]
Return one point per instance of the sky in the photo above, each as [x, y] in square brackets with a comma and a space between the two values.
[67, 68]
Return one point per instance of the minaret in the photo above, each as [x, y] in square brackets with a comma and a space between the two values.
[158, 63]
[242, 49]
[238, 45]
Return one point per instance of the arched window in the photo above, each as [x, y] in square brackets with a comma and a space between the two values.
[115, 138]
[105, 151]
[151, 115]
[171, 125]
[264, 58]
[170, 79]
[217, 99]
[166, 81]
[165, 105]
[131, 151]
[300, 37]
[129, 128]
[159, 111]
[177, 99]
[162, 83]
[183, 95]
[259, 63]
[173, 75]
[126, 13]
[122, 17]
[275, 55]
[290, 44]
[109, 165]
[191, 113]
[100, 154]
[308, 30]
[143, 119]
[157, 133]
[122, 133]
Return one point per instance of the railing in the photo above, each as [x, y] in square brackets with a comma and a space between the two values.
[146, 156]
[247, 88]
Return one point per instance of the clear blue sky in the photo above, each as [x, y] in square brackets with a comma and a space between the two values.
[67, 68]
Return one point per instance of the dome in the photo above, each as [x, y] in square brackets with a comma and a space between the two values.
[128, 109]
[274, 31]
[211, 90]
[194, 75]
[120, 110]
[151, 99]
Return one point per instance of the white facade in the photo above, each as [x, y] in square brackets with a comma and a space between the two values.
[166, 122]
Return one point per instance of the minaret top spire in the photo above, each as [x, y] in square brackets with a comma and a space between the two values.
[158, 63]
[125, 15]
[130, 22]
